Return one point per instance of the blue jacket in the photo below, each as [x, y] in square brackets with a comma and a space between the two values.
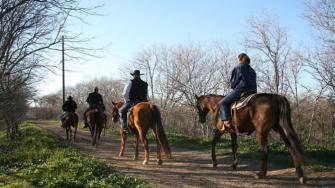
[243, 78]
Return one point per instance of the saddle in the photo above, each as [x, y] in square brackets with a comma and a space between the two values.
[243, 101]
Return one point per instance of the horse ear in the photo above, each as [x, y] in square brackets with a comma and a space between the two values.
[114, 103]
[196, 96]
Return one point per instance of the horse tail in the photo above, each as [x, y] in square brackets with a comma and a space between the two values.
[160, 131]
[286, 124]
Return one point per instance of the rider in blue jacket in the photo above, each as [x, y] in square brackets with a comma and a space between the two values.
[243, 79]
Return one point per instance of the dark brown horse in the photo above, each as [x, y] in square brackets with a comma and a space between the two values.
[142, 117]
[263, 113]
[96, 121]
[70, 120]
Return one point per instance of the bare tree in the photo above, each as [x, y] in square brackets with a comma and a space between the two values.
[29, 30]
[270, 40]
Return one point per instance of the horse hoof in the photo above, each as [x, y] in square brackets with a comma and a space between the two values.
[145, 162]
[215, 164]
[233, 166]
[159, 162]
[302, 180]
[260, 175]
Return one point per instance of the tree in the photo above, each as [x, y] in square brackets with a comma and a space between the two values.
[29, 30]
[270, 40]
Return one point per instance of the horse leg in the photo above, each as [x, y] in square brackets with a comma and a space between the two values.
[159, 157]
[123, 142]
[262, 140]
[70, 131]
[297, 164]
[216, 137]
[75, 131]
[67, 133]
[94, 140]
[136, 146]
[146, 146]
[234, 149]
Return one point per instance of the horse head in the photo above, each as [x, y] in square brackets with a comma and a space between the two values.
[115, 111]
[202, 108]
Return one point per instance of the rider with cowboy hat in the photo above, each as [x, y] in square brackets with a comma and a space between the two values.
[134, 92]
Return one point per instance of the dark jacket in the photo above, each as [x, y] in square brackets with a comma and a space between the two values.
[138, 91]
[94, 99]
[69, 106]
[243, 78]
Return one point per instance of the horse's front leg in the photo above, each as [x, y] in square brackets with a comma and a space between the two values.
[216, 136]
[234, 149]
[262, 140]
[123, 142]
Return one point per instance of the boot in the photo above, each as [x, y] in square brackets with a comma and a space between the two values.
[227, 126]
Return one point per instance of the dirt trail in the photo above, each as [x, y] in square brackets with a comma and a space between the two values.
[189, 168]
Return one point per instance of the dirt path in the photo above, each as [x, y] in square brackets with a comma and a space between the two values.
[189, 168]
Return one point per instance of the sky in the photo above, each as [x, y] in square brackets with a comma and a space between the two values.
[125, 27]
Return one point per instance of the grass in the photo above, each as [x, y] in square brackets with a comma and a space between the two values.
[318, 158]
[39, 159]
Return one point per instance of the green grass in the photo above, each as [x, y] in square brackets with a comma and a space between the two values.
[39, 159]
[318, 158]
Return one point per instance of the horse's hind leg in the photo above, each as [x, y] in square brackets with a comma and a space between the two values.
[297, 164]
[216, 136]
[67, 133]
[262, 140]
[146, 146]
[234, 149]
[136, 146]
[75, 131]
[159, 157]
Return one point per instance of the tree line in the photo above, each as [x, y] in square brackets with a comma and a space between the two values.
[305, 75]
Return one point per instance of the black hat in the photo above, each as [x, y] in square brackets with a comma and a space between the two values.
[69, 98]
[136, 72]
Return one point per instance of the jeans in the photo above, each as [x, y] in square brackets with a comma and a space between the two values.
[225, 103]
[123, 113]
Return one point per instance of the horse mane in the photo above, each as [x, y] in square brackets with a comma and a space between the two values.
[211, 95]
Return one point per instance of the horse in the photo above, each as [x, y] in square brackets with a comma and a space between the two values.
[141, 118]
[96, 121]
[264, 112]
[70, 119]
[116, 119]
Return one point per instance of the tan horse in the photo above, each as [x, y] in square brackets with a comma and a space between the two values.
[96, 121]
[264, 112]
[142, 117]
[70, 120]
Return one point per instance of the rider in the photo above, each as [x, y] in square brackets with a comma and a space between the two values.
[94, 100]
[68, 106]
[134, 92]
[243, 79]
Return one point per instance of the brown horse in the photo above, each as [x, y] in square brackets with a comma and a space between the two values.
[96, 121]
[141, 118]
[116, 119]
[70, 119]
[263, 113]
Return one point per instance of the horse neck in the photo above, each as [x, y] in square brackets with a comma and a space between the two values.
[213, 103]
